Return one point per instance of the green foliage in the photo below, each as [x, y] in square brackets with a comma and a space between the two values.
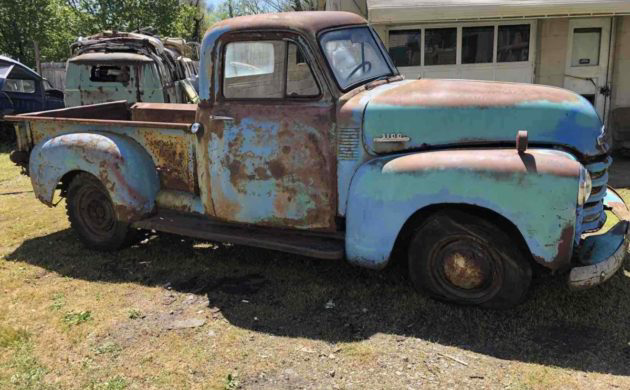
[58, 301]
[53, 25]
[76, 318]
[135, 314]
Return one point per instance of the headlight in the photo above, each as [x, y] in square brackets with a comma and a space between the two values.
[585, 187]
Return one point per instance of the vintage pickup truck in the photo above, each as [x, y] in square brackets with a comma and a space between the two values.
[308, 141]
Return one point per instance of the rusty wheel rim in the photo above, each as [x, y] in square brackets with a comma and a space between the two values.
[95, 211]
[466, 268]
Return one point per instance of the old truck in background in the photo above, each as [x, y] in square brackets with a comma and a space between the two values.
[307, 140]
[135, 67]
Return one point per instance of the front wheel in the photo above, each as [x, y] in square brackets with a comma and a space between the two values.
[459, 257]
[92, 215]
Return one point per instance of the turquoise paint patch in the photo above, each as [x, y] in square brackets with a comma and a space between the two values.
[575, 125]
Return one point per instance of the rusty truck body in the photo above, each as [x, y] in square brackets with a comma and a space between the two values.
[135, 67]
[307, 140]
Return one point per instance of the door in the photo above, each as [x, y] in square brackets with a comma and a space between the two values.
[273, 162]
[587, 60]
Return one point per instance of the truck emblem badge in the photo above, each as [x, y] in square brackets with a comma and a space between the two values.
[392, 137]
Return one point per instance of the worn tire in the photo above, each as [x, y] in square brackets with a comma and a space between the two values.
[459, 257]
[92, 215]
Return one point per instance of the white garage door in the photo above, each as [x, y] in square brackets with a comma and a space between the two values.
[502, 51]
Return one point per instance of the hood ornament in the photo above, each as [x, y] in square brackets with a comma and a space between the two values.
[392, 137]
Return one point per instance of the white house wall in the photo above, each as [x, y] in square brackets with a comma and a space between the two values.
[552, 54]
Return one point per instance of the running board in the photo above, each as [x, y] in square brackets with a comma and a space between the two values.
[312, 245]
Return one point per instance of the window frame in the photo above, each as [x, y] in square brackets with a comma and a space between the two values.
[459, 44]
[273, 36]
[331, 74]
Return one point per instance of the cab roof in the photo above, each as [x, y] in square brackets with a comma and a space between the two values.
[109, 58]
[306, 21]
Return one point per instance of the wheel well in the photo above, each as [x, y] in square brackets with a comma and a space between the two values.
[404, 236]
[66, 179]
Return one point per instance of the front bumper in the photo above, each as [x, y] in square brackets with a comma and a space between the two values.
[602, 255]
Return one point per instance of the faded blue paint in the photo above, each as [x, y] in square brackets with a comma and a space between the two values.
[540, 205]
[573, 124]
[346, 168]
[122, 165]
[238, 187]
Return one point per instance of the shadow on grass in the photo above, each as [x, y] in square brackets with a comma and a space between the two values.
[586, 331]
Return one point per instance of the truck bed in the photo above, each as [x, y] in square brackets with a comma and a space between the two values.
[162, 129]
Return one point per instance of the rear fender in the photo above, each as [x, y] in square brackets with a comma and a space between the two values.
[536, 191]
[121, 164]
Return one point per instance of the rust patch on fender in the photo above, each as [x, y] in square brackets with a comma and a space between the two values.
[497, 161]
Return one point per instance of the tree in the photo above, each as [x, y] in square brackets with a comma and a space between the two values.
[231, 8]
[29, 22]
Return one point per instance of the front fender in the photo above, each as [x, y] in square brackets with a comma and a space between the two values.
[122, 165]
[536, 191]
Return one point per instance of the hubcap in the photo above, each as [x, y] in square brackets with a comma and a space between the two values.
[466, 266]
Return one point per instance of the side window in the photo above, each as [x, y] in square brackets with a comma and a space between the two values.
[19, 85]
[300, 79]
[254, 70]
[109, 74]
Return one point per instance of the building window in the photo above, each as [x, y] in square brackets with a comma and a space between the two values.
[477, 44]
[404, 47]
[586, 42]
[513, 43]
[440, 46]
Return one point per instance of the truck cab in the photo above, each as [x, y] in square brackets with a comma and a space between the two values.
[134, 67]
[307, 140]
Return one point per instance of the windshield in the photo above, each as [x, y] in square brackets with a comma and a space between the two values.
[354, 56]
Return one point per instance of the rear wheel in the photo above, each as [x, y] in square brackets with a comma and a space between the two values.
[459, 257]
[93, 217]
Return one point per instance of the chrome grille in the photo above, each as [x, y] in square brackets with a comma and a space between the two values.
[593, 215]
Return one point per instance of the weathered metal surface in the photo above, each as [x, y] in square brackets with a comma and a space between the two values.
[144, 84]
[169, 145]
[319, 245]
[273, 164]
[458, 112]
[169, 154]
[164, 112]
[144, 70]
[465, 265]
[535, 191]
[307, 23]
[121, 164]
[604, 255]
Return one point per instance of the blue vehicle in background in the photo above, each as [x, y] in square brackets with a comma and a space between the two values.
[23, 90]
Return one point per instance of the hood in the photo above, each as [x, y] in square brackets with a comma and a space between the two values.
[416, 114]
